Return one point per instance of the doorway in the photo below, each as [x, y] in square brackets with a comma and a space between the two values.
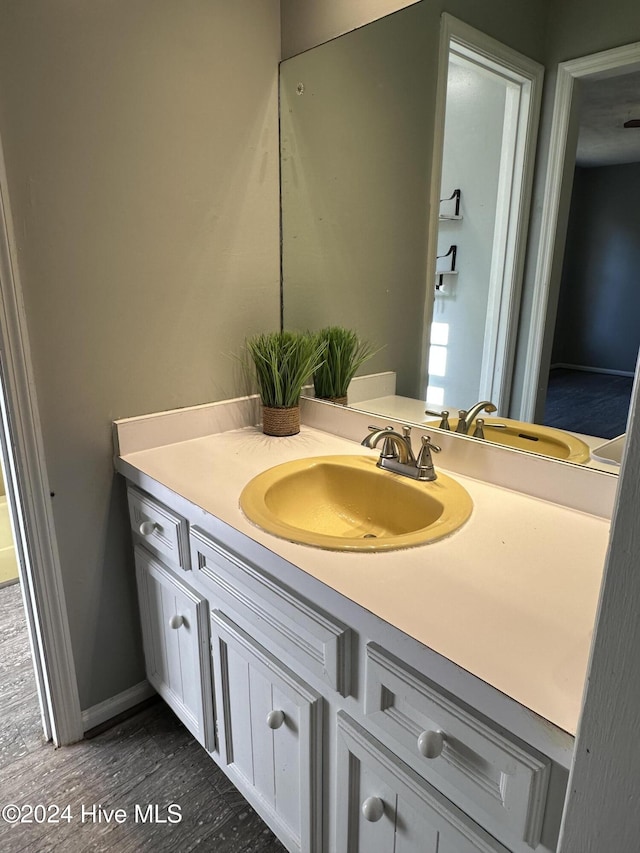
[596, 69]
[8, 556]
[488, 106]
[597, 333]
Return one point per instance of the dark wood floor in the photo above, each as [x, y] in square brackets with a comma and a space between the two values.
[150, 759]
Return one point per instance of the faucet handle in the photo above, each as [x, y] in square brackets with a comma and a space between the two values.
[427, 444]
[425, 462]
[462, 421]
[444, 418]
[373, 433]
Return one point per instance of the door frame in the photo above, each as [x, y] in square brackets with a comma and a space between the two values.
[558, 182]
[514, 197]
[29, 500]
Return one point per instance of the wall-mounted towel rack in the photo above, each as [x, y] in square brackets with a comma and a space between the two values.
[451, 209]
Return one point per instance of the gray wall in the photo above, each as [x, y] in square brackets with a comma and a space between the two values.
[354, 214]
[519, 23]
[598, 323]
[306, 25]
[141, 145]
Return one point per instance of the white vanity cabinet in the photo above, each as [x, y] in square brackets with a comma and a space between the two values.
[335, 726]
[271, 735]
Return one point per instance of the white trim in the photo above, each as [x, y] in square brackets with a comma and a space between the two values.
[496, 329]
[110, 708]
[524, 77]
[40, 573]
[608, 63]
[604, 784]
[585, 369]
[434, 198]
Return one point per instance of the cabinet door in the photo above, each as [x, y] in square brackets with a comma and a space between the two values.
[270, 731]
[388, 808]
[175, 635]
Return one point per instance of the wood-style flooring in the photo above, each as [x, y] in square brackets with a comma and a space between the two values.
[590, 403]
[148, 760]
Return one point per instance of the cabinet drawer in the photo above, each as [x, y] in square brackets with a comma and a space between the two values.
[175, 634]
[264, 606]
[162, 530]
[383, 806]
[485, 771]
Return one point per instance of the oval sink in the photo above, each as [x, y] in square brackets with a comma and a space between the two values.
[346, 503]
[532, 437]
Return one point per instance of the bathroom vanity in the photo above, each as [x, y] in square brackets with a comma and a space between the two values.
[417, 700]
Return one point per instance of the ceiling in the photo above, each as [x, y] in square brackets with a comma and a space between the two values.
[606, 105]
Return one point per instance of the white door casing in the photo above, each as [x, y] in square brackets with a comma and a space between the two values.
[28, 492]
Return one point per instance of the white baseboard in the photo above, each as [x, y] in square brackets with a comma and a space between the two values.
[584, 369]
[103, 711]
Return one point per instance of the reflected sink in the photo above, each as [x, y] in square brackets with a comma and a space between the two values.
[532, 437]
[346, 503]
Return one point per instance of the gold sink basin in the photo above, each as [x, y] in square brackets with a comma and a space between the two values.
[346, 503]
[532, 437]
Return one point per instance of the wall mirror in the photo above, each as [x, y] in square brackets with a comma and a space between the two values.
[363, 162]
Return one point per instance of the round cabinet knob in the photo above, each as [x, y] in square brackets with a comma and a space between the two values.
[431, 744]
[147, 528]
[176, 621]
[373, 809]
[275, 719]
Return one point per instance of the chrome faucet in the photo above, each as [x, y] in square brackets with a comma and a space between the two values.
[397, 454]
[466, 417]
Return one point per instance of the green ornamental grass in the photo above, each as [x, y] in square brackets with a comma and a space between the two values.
[344, 354]
[284, 362]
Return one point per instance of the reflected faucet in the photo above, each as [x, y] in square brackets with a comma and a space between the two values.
[466, 417]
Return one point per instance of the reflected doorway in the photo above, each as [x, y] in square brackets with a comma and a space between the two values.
[489, 101]
[597, 330]
[618, 235]
[480, 136]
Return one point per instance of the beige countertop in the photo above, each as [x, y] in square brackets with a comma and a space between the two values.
[511, 597]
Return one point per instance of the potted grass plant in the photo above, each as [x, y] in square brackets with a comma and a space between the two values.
[344, 353]
[283, 362]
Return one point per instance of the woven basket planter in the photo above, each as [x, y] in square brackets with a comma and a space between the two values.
[281, 421]
[339, 401]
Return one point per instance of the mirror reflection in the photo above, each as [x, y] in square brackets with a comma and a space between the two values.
[359, 245]
[597, 331]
